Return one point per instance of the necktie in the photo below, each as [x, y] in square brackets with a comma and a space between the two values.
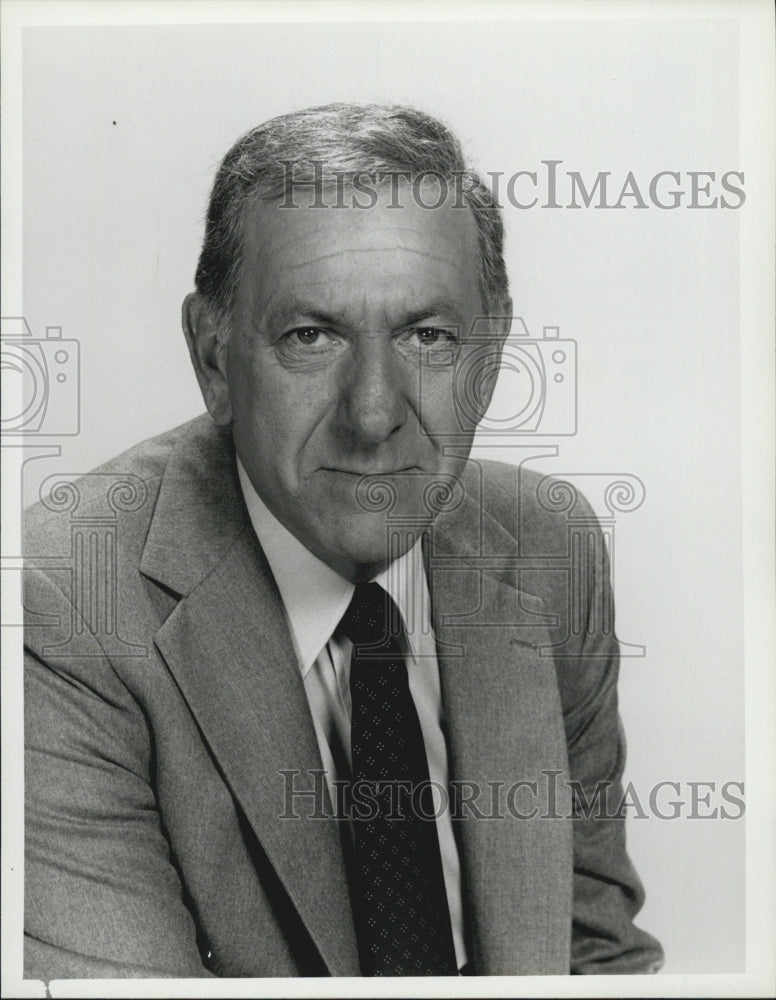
[399, 901]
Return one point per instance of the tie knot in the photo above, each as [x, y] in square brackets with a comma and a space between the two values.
[372, 618]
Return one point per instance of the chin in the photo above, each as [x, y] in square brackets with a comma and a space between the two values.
[369, 543]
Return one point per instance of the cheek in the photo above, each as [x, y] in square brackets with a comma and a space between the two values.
[440, 416]
[256, 421]
[258, 395]
[284, 416]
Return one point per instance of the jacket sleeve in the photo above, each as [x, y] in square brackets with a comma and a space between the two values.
[607, 891]
[102, 895]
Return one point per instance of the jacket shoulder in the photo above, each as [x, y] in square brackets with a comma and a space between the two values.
[530, 505]
[127, 483]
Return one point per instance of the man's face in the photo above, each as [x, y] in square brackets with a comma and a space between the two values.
[349, 325]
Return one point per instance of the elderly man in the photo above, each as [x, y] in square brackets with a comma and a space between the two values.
[327, 649]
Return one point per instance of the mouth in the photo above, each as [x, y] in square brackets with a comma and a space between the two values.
[361, 473]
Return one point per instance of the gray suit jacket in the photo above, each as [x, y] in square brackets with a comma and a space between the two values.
[163, 704]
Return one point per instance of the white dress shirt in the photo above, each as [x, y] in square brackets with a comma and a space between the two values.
[315, 599]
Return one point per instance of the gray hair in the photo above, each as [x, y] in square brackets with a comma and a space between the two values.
[349, 140]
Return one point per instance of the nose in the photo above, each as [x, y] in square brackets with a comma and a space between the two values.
[373, 403]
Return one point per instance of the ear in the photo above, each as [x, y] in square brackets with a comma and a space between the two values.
[499, 325]
[208, 356]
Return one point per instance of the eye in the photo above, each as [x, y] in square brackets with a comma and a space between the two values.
[433, 336]
[309, 336]
[305, 348]
[430, 346]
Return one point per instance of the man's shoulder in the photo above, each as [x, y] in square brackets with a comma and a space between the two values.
[503, 477]
[531, 505]
[499, 486]
[126, 483]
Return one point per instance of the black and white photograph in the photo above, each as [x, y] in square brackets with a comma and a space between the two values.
[388, 528]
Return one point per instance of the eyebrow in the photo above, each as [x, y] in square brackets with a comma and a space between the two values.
[436, 308]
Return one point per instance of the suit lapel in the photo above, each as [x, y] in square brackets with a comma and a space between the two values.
[229, 648]
[230, 651]
[504, 726]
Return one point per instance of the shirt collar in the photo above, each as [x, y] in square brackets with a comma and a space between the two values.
[314, 595]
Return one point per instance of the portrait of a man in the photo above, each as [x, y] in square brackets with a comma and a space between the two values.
[324, 587]
[384, 583]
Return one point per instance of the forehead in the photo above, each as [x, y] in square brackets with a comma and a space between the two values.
[402, 253]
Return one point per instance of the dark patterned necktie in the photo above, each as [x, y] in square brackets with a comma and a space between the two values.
[399, 900]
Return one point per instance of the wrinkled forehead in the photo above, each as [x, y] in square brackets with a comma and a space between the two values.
[357, 221]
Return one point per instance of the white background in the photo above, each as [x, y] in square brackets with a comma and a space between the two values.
[123, 130]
